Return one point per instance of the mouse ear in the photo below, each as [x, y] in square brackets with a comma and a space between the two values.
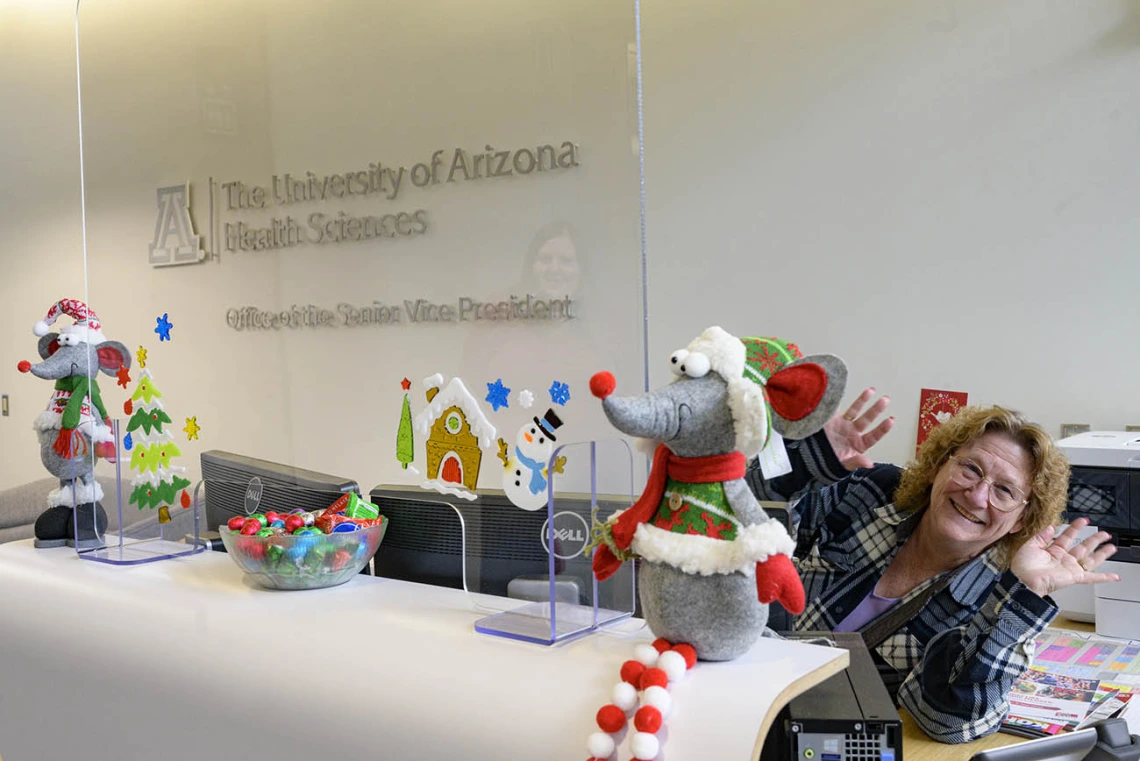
[805, 394]
[48, 345]
[112, 355]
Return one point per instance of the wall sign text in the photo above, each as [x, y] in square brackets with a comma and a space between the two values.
[382, 182]
[409, 311]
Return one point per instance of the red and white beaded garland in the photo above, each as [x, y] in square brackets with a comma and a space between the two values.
[643, 693]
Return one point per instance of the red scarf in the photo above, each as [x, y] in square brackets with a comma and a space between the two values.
[689, 470]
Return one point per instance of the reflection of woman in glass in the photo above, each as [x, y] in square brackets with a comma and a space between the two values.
[545, 310]
[552, 268]
[554, 342]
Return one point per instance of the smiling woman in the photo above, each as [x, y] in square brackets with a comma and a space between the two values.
[946, 566]
[1001, 451]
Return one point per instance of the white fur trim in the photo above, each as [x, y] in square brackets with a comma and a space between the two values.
[46, 421]
[83, 333]
[97, 431]
[84, 493]
[446, 487]
[749, 414]
[41, 328]
[705, 556]
[725, 351]
[726, 354]
[94, 429]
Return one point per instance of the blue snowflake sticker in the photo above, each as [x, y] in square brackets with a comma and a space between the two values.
[497, 395]
[559, 393]
[128, 442]
[164, 326]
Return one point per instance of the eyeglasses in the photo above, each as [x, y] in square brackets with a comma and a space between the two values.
[1002, 496]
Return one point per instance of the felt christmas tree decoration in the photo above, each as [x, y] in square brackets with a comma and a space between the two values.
[158, 484]
[405, 440]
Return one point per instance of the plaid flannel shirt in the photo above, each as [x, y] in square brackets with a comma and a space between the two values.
[953, 664]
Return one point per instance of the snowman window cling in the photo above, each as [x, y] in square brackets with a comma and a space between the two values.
[525, 475]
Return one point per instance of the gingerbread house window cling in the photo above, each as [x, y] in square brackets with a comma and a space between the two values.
[457, 433]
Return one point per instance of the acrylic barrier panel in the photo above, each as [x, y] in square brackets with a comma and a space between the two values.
[567, 600]
[493, 547]
[154, 515]
[377, 240]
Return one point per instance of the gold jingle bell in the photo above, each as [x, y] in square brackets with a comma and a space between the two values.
[164, 514]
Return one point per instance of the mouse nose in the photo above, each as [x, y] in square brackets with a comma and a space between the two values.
[602, 384]
[24, 366]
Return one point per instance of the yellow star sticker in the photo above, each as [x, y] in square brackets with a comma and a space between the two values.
[141, 354]
[192, 428]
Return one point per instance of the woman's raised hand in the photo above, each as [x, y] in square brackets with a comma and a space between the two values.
[853, 432]
[1051, 561]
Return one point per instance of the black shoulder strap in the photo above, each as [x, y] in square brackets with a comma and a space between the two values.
[893, 619]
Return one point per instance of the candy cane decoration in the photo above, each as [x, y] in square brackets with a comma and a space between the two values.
[643, 693]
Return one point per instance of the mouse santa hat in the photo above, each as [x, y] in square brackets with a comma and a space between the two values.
[87, 327]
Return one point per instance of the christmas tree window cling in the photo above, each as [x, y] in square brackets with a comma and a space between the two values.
[405, 439]
[158, 484]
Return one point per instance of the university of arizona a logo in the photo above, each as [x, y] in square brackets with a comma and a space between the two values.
[175, 241]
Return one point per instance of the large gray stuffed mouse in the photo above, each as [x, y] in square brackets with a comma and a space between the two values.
[711, 557]
[74, 429]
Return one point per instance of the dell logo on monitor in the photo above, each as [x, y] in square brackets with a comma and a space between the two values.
[253, 495]
[571, 532]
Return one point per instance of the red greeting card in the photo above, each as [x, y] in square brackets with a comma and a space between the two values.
[935, 408]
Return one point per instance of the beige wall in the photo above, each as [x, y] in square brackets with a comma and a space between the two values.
[943, 193]
[939, 192]
[40, 231]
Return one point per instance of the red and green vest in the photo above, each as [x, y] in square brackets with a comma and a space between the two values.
[697, 509]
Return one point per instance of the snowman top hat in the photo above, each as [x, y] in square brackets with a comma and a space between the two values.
[549, 423]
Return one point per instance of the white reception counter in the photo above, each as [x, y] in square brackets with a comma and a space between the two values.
[184, 659]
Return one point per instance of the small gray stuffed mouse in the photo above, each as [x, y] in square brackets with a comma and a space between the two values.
[74, 429]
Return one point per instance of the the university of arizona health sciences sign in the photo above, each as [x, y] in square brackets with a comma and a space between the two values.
[390, 184]
[292, 196]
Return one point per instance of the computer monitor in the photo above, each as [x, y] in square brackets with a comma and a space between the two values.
[228, 477]
[506, 545]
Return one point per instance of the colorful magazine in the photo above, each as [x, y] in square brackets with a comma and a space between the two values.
[1076, 678]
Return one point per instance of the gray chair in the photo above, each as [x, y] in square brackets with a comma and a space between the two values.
[21, 505]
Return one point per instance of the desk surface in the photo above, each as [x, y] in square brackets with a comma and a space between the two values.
[918, 747]
[184, 659]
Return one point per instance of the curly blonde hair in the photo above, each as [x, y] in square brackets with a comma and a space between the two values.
[1049, 478]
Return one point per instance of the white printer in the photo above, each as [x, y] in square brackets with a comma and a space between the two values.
[1105, 488]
